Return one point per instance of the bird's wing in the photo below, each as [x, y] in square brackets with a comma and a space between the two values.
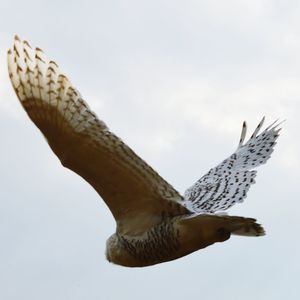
[83, 143]
[229, 182]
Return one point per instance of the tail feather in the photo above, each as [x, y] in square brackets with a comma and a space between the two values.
[243, 226]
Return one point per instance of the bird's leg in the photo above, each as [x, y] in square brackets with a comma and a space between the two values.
[200, 231]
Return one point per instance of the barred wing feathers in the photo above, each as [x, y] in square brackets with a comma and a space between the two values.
[83, 143]
[229, 182]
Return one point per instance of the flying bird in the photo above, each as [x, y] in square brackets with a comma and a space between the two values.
[154, 223]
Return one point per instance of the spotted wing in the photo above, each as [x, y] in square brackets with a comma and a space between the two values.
[83, 143]
[229, 182]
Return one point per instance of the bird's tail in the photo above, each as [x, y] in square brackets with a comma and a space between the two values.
[200, 231]
[243, 226]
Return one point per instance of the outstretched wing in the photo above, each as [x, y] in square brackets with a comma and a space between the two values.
[83, 143]
[229, 182]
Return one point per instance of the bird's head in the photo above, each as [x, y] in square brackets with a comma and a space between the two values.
[111, 248]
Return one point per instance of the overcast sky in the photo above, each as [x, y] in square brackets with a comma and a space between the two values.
[174, 79]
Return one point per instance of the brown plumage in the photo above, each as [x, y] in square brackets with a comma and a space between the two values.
[154, 222]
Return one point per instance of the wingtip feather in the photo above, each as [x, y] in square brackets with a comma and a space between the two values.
[243, 134]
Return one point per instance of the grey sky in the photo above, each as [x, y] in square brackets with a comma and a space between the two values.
[174, 79]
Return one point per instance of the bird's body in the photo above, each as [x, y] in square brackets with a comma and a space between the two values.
[175, 237]
[154, 223]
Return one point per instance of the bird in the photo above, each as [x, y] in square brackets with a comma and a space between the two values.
[154, 222]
